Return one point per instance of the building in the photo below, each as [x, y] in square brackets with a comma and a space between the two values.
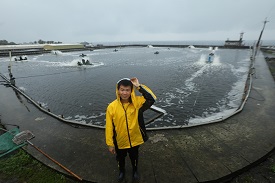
[235, 43]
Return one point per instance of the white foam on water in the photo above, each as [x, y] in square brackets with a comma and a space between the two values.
[214, 49]
[80, 117]
[56, 52]
[44, 61]
[94, 116]
[190, 85]
[74, 62]
[22, 88]
[44, 105]
[169, 96]
[87, 118]
[194, 50]
[34, 58]
[202, 60]
[15, 57]
[216, 61]
[211, 117]
[230, 103]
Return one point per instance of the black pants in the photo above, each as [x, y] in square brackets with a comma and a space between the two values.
[122, 153]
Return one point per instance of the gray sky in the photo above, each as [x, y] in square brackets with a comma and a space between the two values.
[71, 21]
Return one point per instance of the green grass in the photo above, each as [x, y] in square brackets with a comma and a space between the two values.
[272, 167]
[21, 167]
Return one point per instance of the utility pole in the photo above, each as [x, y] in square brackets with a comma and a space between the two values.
[259, 40]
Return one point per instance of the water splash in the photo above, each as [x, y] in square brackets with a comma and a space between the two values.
[56, 52]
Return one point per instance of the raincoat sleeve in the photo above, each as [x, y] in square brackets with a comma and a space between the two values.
[149, 97]
[109, 130]
[148, 100]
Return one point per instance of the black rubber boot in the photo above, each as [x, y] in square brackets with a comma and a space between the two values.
[121, 175]
[135, 172]
[135, 176]
[121, 166]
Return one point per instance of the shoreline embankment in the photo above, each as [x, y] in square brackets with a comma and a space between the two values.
[18, 50]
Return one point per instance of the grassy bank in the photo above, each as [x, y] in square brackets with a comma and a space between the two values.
[21, 167]
[270, 59]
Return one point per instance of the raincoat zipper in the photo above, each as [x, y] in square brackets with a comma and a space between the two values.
[127, 124]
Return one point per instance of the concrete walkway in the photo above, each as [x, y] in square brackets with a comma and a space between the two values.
[211, 152]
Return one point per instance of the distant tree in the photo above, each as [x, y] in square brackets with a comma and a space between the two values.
[40, 41]
[5, 42]
[84, 43]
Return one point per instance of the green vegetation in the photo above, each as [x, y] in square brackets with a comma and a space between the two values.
[21, 167]
[272, 167]
[5, 42]
[248, 179]
[40, 41]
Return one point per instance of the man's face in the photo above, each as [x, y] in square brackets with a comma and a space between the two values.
[124, 92]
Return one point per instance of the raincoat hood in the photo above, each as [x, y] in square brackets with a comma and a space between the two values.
[133, 94]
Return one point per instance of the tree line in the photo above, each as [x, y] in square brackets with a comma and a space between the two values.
[40, 41]
[5, 42]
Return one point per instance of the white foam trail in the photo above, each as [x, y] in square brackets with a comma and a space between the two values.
[56, 52]
[230, 103]
[202, 60]
[74, 62]
[190, 85]
[216, 60]
[80, 117]
[17, 59]
[211, 48]
[198, 73]
[85, 118]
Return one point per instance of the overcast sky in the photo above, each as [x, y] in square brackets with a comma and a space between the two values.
[71, 21]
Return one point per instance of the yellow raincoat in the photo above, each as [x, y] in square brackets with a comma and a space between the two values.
[122, 125]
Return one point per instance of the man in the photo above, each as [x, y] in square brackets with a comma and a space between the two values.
[125, 129]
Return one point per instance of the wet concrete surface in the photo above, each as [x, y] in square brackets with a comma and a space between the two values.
[213, 152]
